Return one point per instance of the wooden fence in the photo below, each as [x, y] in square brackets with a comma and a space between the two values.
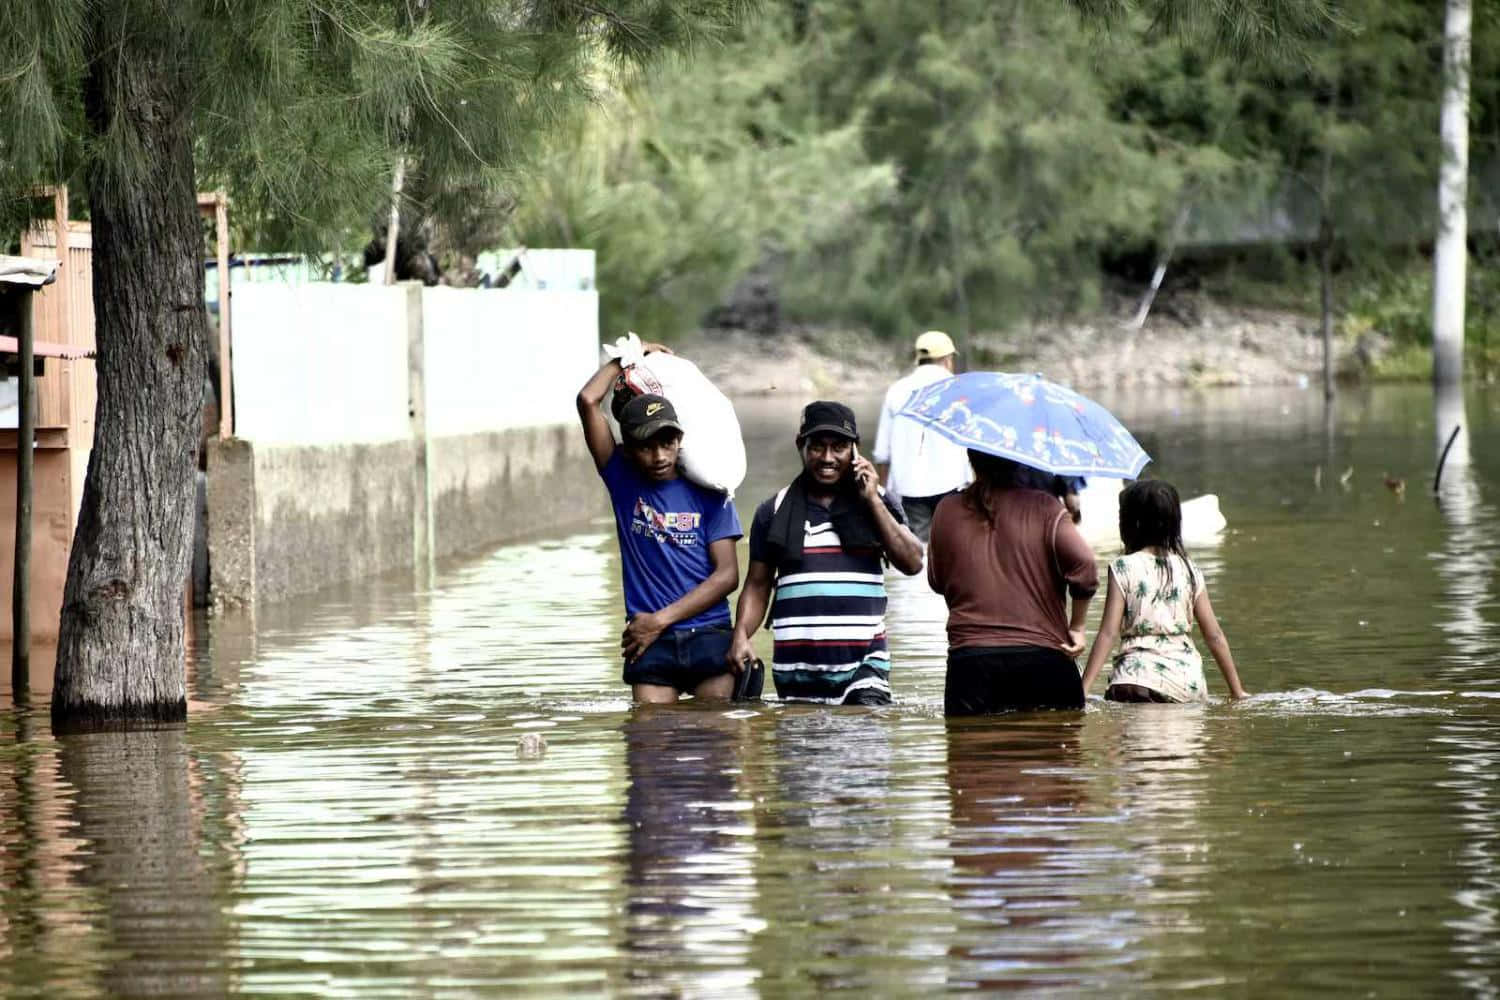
[63, 313]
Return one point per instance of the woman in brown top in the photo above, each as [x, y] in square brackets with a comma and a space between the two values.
[1006, 557]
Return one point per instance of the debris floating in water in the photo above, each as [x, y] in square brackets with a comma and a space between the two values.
[531, 745]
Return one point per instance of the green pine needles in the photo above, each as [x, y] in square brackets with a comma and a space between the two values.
[301, 108]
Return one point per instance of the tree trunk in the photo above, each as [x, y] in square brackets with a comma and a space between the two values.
[393, 228]
[120, 647]
[1450, 260]
[1162, 260]
[1325, 272]
[1325, 280]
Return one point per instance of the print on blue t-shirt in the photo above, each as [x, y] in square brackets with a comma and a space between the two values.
[665, 530]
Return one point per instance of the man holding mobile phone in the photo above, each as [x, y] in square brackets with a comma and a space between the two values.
[819, 544]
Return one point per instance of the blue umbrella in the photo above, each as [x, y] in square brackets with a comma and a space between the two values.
[1029, 420]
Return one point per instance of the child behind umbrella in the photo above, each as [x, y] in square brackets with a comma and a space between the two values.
[1155, 593]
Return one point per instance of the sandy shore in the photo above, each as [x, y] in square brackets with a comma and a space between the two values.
[1202, 346]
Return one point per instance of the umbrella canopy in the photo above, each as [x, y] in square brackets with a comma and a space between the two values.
[1030, 420]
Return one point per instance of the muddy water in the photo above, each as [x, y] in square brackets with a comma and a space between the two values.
[347, 812]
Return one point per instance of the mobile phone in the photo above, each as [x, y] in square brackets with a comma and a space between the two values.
[852, 473]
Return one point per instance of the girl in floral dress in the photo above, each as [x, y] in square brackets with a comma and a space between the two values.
[1155, 593]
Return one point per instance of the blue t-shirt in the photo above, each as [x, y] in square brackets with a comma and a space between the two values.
[665, 530]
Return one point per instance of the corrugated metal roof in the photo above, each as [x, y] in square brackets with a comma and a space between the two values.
[30, 271]
[46, 349]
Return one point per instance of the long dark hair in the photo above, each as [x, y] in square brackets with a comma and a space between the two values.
[992, 474]
[1151, 516]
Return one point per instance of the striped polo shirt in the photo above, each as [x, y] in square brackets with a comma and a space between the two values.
[827, 612]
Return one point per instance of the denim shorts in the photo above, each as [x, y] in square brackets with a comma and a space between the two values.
[682, 658]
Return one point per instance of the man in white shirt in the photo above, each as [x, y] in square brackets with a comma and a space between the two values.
[923, 465]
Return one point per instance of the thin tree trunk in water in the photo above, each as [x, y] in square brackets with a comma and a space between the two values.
[120, 647]
[1325, 273]
[1325, 268]
[1450, 258]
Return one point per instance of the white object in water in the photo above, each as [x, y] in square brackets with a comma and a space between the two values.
[713, 451]
[1202, 521]
[531, 745]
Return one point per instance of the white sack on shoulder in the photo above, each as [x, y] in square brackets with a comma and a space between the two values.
[627, 350]
[713, 451]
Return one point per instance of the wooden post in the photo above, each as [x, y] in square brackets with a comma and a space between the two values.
[20, 663]
[226, 384]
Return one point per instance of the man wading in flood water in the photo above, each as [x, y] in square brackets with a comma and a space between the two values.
[924, 465]
[677, 558]
[821, 542]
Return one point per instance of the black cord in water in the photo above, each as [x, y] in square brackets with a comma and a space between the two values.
[1438, 478]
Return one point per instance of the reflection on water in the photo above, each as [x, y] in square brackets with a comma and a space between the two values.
[142, 811]
[1160, 776]
[1023, 870]
[690, 867]
[854, 848]
[120, 856]
[1466, 565]
[346, 813]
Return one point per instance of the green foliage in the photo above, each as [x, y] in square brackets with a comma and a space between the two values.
[302, 108]
[886, 163]
[1011, 166]
[687, 180]
[1258, 29]
[1407, 363]
[960, 163]
[1396, 303]
[1396, 300]
[1337, 129]
[894, 164]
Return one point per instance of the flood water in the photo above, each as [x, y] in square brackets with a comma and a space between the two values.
[347, 814]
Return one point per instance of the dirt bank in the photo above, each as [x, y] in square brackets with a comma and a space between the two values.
[1184, 343]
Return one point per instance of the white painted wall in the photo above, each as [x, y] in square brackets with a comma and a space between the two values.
[320, 364]
[500, 359]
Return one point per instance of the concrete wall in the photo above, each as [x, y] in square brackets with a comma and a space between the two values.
[506, 484]
[383, 427]
[329, 513]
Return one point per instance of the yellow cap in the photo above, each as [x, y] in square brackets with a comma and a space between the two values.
[933, 345]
